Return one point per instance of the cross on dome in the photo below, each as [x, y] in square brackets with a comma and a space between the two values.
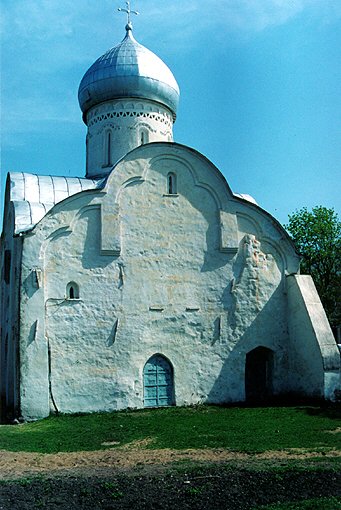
[129, 24]
[128, 70]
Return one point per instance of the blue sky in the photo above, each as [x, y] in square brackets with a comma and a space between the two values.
[259, 81]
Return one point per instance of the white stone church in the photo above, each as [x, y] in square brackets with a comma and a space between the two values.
[149, 282]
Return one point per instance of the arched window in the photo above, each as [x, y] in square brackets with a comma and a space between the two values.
[171, 184]
[107, 148]
[158, 382]
[72, 290]
[144, 137]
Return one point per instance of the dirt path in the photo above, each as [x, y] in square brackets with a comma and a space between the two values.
[15, 465]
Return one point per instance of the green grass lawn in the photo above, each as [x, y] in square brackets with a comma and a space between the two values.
[237, 429]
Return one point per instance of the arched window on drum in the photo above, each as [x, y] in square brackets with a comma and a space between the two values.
[107, 148]
[144, 137]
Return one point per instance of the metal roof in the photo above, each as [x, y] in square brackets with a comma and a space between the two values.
[34, 195]
[245, 196]
[128, 70]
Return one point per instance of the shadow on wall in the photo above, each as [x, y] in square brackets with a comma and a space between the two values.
[266, 331]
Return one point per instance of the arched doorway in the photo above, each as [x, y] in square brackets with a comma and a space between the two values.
[258, 374]
[158, 382]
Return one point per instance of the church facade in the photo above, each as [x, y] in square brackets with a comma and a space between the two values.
[149, 282]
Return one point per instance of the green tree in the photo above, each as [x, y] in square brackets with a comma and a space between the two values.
[317, 236]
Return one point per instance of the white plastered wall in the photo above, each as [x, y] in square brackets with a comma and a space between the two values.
[196, 276]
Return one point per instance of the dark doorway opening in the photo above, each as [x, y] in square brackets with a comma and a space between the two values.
[259, 375]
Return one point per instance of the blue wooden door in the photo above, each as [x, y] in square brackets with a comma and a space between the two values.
[158, 382]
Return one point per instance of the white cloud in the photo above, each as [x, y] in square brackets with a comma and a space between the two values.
[250, 15]
[46, 20]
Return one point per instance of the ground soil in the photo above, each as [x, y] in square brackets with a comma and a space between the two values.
[137, 478]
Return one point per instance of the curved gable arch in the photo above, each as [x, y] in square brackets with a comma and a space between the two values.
[177, 162]
[133, 169]
[135, 165]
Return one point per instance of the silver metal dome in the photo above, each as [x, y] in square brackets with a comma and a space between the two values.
[128, 70]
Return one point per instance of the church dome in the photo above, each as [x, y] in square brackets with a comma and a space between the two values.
[128, 70]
